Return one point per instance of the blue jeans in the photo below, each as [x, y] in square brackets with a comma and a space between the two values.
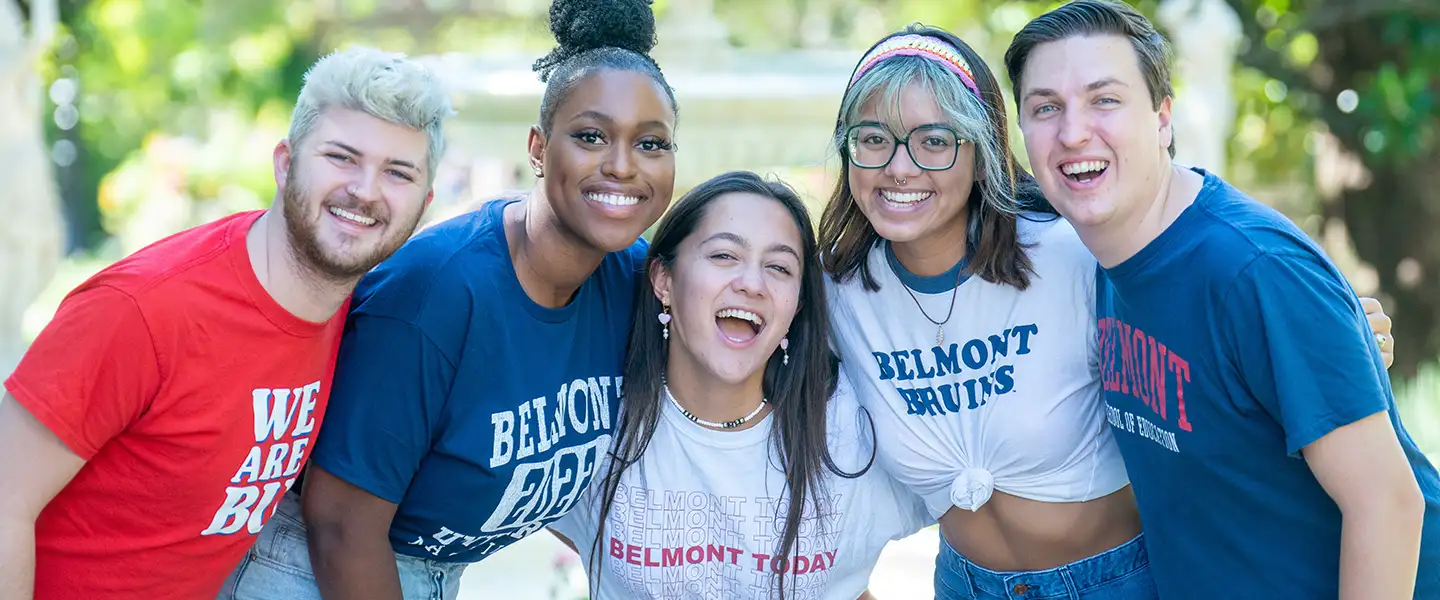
[278, 566]
[1121, 573]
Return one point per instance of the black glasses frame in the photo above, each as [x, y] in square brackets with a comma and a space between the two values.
[902, 141]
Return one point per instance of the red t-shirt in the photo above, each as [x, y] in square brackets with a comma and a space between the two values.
[193, 396]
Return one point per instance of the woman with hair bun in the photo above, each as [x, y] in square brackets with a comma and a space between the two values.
[478, 378]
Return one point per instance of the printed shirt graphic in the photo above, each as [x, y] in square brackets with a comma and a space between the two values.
[479, 412]
[701, 515]
[1010, 401]
[1228, 345]
[193, 397]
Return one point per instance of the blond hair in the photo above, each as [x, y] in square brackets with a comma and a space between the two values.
[386, 85]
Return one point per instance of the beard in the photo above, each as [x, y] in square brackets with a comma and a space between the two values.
[347, 260]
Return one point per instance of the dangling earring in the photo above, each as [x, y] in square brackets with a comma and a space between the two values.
[785, 347]
[665, 320]
[539, 173]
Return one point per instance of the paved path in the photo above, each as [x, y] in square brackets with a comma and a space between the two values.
[541, 568]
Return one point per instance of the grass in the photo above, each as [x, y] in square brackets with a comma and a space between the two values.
[1419, 401]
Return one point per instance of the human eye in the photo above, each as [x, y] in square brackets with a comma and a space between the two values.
[401, 175]
[1044, 109]
[589, 136]
[655, 145]
[780, 268]
[338, 157]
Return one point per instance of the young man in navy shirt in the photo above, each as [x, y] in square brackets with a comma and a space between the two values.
[1246, 390]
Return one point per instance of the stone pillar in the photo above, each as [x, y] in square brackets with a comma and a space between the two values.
[31, 236]
[1206, 35]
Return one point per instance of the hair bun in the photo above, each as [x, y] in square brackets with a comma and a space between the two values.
[581, 25]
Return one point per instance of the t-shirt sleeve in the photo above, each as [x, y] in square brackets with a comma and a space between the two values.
[581, 524]
[578, 525]
[391, 382]
[1303, 347]
[91, 372]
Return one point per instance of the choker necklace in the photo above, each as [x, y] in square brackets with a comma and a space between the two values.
[694, 419]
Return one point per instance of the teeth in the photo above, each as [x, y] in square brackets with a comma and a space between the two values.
[736, 313]
[613, 199]
[1084, 167]
[904, 198]
[345, 214]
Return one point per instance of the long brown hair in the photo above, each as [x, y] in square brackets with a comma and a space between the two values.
[996, 201]
[799, 392]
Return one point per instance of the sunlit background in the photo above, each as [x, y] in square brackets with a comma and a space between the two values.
[126, 120]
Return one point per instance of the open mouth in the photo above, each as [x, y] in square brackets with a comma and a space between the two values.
[1085, 171]
[355, 218]
[612, 199]
[905, 199]
[739, 326]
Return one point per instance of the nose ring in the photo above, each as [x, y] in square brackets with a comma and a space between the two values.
[900, 180]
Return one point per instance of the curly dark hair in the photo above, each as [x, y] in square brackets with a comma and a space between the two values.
[592, 35]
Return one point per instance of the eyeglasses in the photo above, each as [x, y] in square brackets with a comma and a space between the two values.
[872, 146]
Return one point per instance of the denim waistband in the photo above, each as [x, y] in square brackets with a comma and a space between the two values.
[1059, 582]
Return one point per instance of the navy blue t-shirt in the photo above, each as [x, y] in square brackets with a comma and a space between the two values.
[1229, 344]
[479, 412]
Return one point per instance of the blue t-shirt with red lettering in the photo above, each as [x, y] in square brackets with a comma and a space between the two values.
[1229, 344]
[480, 413]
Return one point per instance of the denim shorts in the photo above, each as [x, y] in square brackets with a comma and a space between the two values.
[1121, 573]
[278, 566]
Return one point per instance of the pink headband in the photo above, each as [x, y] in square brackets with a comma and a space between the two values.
[923, 46]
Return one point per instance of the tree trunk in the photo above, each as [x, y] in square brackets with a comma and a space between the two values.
[1393, 220]
[30, 228]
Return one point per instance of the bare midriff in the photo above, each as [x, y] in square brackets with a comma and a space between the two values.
[1010, 533]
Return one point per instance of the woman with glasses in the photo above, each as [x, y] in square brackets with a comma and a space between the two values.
[963, 312]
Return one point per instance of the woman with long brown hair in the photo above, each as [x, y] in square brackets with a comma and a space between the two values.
[739, 466]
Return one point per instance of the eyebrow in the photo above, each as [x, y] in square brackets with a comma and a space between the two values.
[604, 118]
[1090, 87]
[740, 241]
[1095, 85]
[920, 126]
[359, 154]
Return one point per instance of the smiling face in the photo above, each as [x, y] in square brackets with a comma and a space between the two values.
[608, 161]
[353, 191]
[907, 204]
[1097, 144]
[733, 288]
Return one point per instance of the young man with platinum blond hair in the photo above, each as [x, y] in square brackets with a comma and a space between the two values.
[1245, 389]
[159, 418]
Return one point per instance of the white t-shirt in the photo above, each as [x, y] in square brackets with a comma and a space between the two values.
[1010, 401]
[697, 516]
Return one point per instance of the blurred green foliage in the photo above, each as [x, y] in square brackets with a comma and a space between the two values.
[194, 93]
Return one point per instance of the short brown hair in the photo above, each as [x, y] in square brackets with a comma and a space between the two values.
[1096, 17]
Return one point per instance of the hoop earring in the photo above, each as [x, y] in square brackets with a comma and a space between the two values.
[785, 347]
[665, 321]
